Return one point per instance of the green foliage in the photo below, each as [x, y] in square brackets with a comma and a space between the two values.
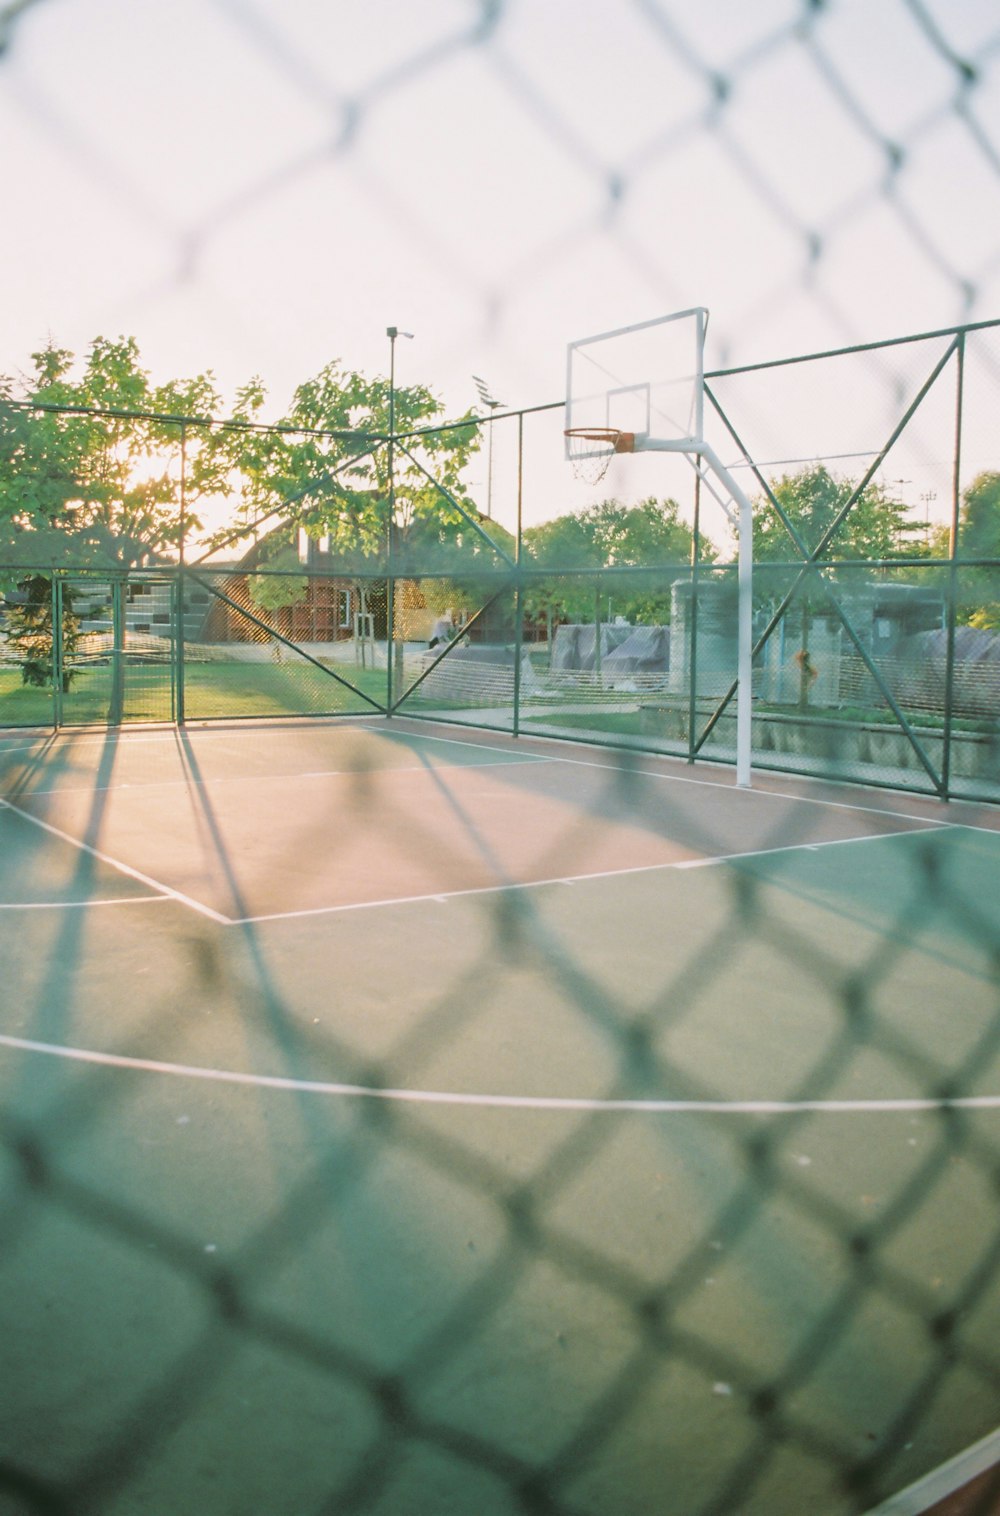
[649, 535]
[978, 578]
[328, 469]
[812, 506]
[275, 591]
[84, 463]
[979, 538]
[30, 631]
[813, 512]
[645, 535]
[979, 521]
[92, 459]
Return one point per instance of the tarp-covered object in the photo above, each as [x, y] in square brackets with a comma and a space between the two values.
[975, 676]
[573, 647]
[645, 651]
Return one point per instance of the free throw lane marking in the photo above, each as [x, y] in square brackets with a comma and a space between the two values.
[441, 897]
[222, 780]
[80, 905]
[116, 863]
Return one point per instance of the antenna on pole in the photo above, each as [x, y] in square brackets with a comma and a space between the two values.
[487, 399]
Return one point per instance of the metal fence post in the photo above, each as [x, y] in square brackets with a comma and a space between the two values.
[953, 585]
[692, 639]
[177, 648]
[392, 333]
[518, 588]
[56, 601]
[179, 597]
[117, 703]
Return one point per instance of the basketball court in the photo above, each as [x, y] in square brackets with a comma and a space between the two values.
[403, 1118]
[411, 1118]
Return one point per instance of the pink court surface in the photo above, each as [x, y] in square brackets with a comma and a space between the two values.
[403, 1118]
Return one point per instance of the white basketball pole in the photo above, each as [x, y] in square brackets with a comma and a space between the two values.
[624, 375]
[744, 639]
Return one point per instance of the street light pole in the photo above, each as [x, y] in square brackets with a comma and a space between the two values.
[392, 332]
[493, 405]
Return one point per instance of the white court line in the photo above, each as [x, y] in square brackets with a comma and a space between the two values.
[806, 847]
[732, 788]
[87, 737]
[944, 1481]
[439, 896]
[714, 784]
[955, 801]
[376, 724]
[116, 863]
[76, 737]
[81, 905]
[536, 884]
[502, 1102]
[190, 782]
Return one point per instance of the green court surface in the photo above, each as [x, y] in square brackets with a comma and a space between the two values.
[399, 1120]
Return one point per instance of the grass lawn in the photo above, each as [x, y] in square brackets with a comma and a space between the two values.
[278, 689]
[21, 704]
[210, 689]
[623, 723]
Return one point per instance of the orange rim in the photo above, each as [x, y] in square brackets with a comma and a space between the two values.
[620, 442]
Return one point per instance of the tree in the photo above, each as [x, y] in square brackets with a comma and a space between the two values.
[874, 528]
[88, 480]
[37, 481]
[327, 469]
[815, 504]
[29, 631]
[205, 455]
[649, 535]
[86, 463]
[979, 519]
[979, 538]
[283, 587]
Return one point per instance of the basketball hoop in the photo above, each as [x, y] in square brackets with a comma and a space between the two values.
[590, 449]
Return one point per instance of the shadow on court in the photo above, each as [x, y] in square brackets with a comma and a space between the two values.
[413, 1125]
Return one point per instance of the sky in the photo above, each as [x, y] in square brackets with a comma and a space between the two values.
[257, 187]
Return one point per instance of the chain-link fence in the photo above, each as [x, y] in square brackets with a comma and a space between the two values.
[876, 632]
[664, 1191]
[779, 1299]
[818, 174]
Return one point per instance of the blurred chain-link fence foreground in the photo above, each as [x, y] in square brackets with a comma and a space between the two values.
[397, 1118]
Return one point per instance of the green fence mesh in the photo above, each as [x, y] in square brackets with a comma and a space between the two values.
[706, 1275]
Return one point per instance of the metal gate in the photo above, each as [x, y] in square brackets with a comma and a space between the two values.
[113, 648]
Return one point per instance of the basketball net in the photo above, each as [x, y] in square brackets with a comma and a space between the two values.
[590, 464]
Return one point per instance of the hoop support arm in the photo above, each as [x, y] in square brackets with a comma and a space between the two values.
[744, 648]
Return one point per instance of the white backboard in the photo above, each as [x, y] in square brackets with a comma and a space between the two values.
[647, 379]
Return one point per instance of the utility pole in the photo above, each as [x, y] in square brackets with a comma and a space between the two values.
[492, 405]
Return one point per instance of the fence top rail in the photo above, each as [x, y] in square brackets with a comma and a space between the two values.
[854, 349]
[527, 569]
[170, 418]
[378, 438]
